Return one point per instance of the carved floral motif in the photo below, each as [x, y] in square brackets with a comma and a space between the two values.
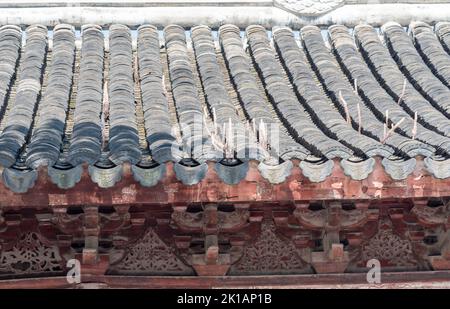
[152, 256]
[390, 248]
[30, 256]
[269, 254]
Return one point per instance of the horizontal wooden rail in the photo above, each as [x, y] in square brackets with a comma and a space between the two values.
[429, 279]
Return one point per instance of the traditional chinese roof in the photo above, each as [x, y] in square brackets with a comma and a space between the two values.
[99, 99]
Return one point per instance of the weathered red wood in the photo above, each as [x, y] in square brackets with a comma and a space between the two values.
[254, 188]
[395, 235]
[389, 280]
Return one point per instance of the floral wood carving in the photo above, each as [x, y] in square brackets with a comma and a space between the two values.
[151, 256]
[30, 255]
[269, 254]
[389, 248]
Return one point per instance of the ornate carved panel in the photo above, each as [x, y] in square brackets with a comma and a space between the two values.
[150, 256]
[394, 250]
[389, 248]
[29, 256]
[270, 254]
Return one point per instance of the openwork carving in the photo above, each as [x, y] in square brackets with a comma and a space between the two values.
[269, 254]
[151, 256]
[30, 256]
[309, 7]
[389, 248]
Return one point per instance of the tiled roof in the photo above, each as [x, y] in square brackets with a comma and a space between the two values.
[117, 96]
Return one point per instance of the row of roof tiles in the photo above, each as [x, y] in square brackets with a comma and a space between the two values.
[231, 99]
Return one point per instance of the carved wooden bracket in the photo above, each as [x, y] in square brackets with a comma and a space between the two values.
[62, 227]
[87, 225]
[127, 229]
[211, 220]
[436, 218]
[333, 217]
[333, 221]
[91, 230]
[116, 220]
[66, 223]
[210, 223]
[432, 216]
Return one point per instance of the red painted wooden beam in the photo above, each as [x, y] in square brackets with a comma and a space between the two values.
[254, 188]
[428, 279]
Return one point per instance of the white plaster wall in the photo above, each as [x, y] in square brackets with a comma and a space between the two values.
[375, 14]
